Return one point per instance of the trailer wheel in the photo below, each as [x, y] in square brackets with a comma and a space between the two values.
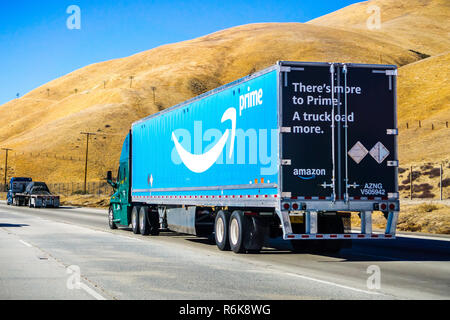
[237, 230]
[111, 223]
[144, 225]
[221, 230]
[135, 219]
[258, 230]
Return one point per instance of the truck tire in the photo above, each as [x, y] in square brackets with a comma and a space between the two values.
[111, 223]
[221, 224]
[135, 219]
[144, 225]
[153, 219]
[257, 230]
[238, 228]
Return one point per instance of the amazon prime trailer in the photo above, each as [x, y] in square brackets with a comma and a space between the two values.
[291, 151]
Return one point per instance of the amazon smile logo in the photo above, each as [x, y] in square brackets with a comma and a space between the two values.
[201, 162]
[199, 150]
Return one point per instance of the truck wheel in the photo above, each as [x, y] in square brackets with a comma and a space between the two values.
[153, 219]
[135, 219]
[221, 230]
[257, 230]
[237, 230]
[144, 225]
[111, 223]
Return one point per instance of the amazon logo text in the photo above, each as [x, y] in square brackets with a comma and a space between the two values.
[250, 99]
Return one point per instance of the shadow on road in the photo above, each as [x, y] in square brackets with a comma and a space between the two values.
[12, 225]
[400, 249]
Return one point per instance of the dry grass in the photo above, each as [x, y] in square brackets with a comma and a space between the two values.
[87, 200]
[420, 25]
[425, 217]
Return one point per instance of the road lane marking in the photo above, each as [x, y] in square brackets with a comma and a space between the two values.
[92, 292]
[26, 243]
[400, 235]
[335, 284]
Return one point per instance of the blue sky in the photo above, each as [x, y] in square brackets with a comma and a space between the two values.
[36, 46]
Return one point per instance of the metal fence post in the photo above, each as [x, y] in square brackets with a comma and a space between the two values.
[440, 180]
[410, 183]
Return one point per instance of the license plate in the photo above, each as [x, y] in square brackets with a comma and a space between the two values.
[296, 219]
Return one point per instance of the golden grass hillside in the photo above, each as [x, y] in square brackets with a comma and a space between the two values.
[424, 94]
[43, 127]
[419, 25]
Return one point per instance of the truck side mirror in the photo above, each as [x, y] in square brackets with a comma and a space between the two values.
[109, 175]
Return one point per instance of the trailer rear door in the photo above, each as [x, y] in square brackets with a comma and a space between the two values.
[338, 125]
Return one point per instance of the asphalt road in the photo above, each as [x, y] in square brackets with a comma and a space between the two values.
[70, 253]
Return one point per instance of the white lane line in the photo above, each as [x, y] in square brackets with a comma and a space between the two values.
[26, 243]
[399, 235]
[92, 292]
[335, 284]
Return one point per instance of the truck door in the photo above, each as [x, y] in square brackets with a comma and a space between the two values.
[123, 190]
[307, 149]
[369, 150]
[338, 127]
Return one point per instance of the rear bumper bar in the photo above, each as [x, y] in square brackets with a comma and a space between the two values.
[318, 236]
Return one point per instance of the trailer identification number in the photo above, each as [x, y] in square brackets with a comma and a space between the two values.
[373, 189]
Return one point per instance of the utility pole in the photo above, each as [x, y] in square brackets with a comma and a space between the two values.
[87, 150]
[6, 164]
[153, 89]
[131, 80]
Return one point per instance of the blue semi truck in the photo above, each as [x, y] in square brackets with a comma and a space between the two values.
[16, 185]
[291, 151]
